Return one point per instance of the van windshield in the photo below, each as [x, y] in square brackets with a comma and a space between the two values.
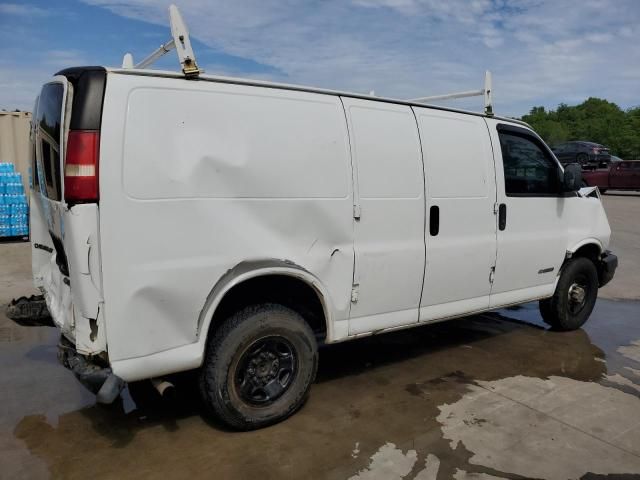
[48, 134]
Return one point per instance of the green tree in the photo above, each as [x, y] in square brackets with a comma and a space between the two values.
[594, 120]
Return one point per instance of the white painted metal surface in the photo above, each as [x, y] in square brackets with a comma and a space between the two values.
[389, 234]
[540, 232]
[74, 301]
[234, 174]
[204, 185]
[461, 183]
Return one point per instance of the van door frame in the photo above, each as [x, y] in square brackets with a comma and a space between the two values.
[552, 230]
[367, 320]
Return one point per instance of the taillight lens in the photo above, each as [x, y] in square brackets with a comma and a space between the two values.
[81, 166]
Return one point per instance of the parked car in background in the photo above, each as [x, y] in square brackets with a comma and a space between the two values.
[615, 159]
[587, 154]
[623, 175]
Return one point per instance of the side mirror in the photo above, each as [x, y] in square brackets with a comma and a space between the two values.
[572, 180]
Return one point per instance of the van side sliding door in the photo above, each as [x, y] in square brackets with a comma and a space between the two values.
[461, 225]
[388, 215]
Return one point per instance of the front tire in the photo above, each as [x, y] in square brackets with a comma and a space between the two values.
[258, 367]
[574, 298]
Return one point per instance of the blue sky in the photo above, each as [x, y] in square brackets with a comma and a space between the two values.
[540, 52]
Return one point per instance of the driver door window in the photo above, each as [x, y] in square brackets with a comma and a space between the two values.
[528, 169]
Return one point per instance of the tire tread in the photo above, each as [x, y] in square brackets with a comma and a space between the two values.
[215, 353]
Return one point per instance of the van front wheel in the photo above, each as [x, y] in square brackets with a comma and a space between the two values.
[574, 298]
[258, 367]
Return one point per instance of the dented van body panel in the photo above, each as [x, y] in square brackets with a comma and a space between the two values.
[201, 180]
[389, 211]
[74, 300]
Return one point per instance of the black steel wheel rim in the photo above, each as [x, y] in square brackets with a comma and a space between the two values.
[266, 370]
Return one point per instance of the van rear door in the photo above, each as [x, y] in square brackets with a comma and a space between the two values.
[49, 262]
[64, 231]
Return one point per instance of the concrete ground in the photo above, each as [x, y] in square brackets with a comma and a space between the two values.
[484, 397]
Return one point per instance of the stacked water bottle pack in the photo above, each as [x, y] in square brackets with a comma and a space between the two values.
[14, 210]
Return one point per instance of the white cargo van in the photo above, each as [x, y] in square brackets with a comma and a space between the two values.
[183, 221]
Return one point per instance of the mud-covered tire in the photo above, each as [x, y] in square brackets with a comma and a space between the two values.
[564, 311]
[255, 346]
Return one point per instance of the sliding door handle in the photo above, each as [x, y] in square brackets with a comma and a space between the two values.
[502, 216]
[434, 220]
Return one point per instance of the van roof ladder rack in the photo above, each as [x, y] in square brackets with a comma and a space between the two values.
[180, 42]
[485, 92]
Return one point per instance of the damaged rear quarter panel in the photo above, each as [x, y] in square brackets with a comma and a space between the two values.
[206, 177]
[81, 242]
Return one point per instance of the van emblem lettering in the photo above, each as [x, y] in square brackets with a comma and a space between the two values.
[43, 247]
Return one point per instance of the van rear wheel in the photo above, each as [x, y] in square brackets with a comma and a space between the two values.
[574, 298]
[258, 367]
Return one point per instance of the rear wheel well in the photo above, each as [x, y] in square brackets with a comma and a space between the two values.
[285, 290]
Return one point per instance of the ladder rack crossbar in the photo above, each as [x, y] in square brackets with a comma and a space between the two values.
[156, 54]
[485, 92]
[180, 42]
[469, 93]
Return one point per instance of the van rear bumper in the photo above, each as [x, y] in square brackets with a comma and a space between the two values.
[607, 267]
[98, 379]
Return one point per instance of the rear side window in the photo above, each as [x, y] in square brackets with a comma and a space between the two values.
[528, 169]
[48, 128]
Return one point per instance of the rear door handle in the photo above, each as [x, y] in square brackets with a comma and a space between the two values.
[502, 216]
[434, 220]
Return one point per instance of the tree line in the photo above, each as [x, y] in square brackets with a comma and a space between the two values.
[594, 120]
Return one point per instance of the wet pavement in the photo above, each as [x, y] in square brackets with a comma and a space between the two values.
[496, 394]
[490, 396]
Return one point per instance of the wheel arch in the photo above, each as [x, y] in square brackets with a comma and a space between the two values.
[590, 247]
[244, 277]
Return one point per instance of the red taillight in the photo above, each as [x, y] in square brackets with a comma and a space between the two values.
[81, 166]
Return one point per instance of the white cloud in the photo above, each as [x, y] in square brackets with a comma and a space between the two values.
[19, 84]
[22, 10]
[59, 59]
[542, 52]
